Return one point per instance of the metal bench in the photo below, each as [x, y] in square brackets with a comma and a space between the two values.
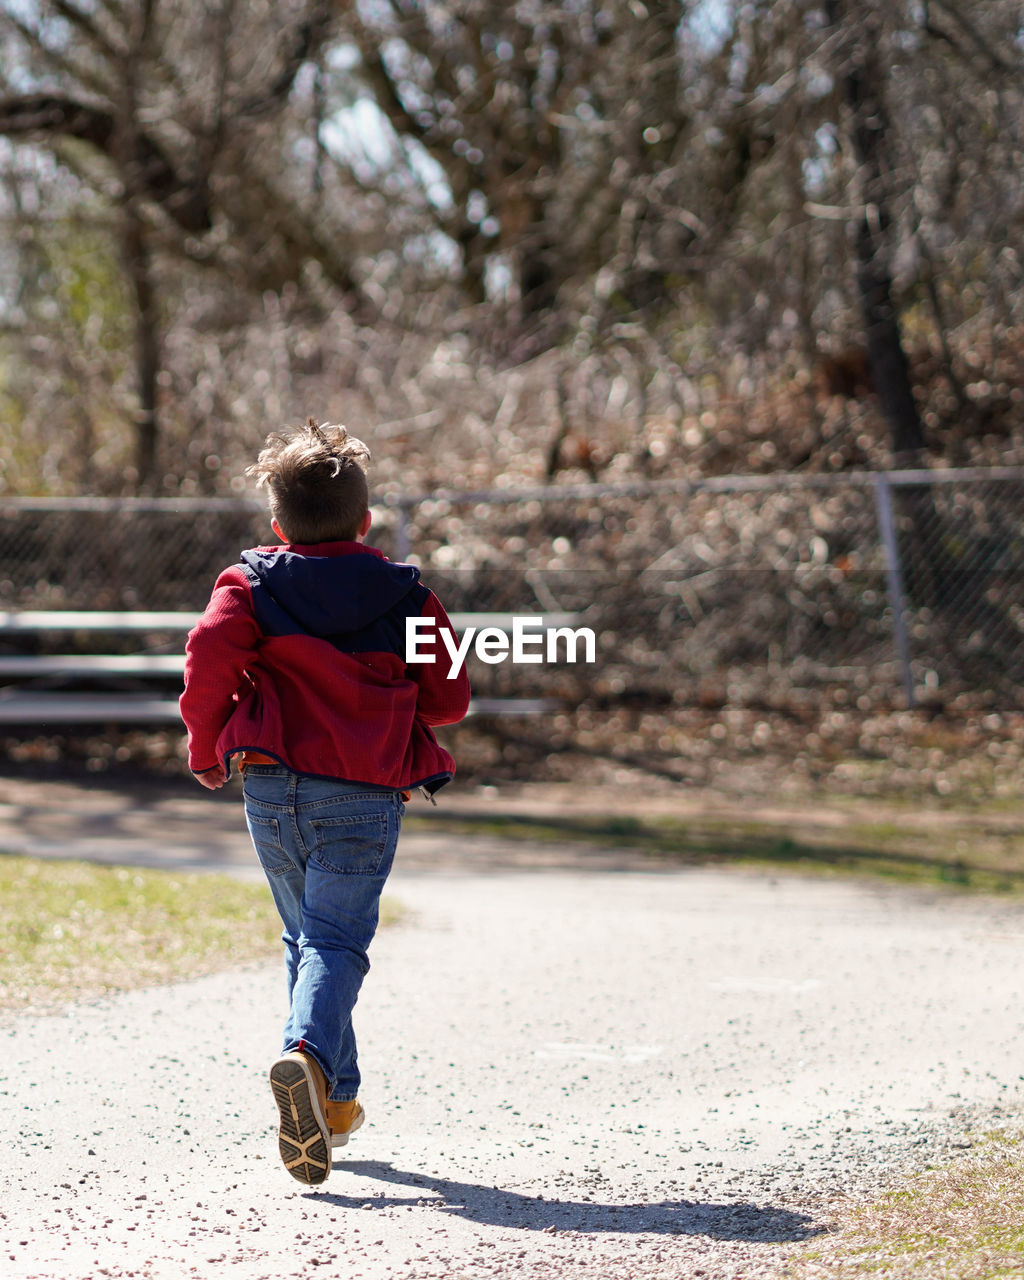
[21, 705]
[14, 621]
[81, 665]
[34, 620]
[18, 707]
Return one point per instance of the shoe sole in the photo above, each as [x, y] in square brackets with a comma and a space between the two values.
[339, 1139]
[303, 1136]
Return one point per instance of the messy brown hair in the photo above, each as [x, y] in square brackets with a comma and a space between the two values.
[316, 482]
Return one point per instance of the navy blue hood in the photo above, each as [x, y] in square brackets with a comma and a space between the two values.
[358, 601]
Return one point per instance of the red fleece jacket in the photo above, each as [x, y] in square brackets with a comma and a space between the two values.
[300, 655]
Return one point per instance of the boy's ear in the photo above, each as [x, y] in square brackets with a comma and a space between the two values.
[364, 528]
[278, 530]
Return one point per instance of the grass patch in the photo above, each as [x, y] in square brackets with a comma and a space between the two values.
[954, 850]
[961, 1222]
[74, 930]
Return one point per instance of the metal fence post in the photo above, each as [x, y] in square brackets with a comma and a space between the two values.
[402, 533]
[894, 579]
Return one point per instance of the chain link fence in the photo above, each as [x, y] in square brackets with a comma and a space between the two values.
[794, 592]
[881, 585]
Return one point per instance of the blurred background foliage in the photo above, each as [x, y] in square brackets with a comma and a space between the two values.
[508, 240]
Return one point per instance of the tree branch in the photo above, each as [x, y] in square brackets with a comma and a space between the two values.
[213, 139]
[977, 37]
[302, 43]
[55, 59]
[74, 17]
[41, 115]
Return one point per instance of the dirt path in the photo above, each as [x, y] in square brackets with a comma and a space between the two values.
[582, 1075]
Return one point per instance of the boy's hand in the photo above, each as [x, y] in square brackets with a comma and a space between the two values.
[212, 779]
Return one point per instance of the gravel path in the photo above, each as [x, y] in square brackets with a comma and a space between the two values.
[595, 1075]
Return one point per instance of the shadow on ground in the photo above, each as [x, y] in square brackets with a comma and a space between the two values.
[707, 840]
[496, 1207]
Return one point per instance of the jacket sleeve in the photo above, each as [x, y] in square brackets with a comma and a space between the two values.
[440, 700]
[219, 648]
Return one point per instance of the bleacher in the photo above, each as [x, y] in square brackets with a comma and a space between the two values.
[141, 686]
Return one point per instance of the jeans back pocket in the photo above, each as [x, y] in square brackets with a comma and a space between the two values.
[355, 846]
[266, 839]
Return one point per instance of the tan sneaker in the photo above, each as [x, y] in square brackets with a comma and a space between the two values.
[304, 1139]
[343, 1119]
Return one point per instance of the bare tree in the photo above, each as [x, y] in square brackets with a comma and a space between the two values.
[657, 214]
[186, 111]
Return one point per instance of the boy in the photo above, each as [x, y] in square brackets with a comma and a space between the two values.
[297, 668]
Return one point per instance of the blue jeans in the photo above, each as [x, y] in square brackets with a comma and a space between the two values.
[327, 847]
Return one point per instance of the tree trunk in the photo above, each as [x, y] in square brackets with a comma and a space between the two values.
[132, 164]
[147, 347]
[861, 77]
[887, 361]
